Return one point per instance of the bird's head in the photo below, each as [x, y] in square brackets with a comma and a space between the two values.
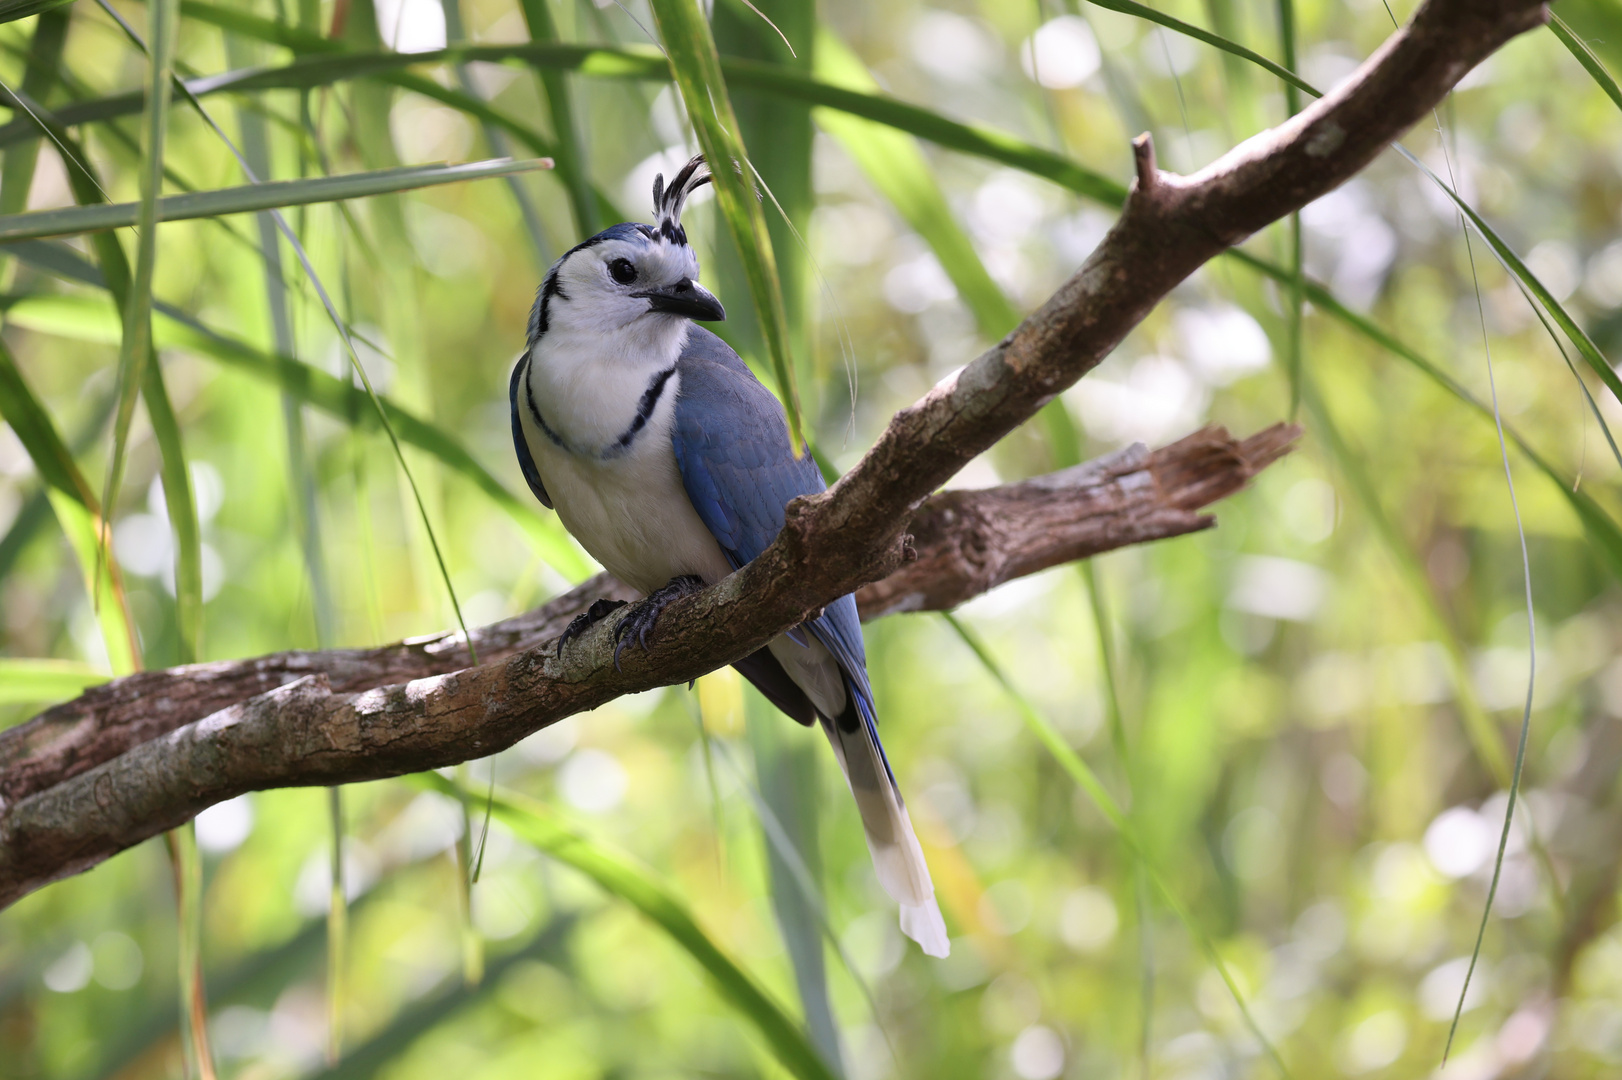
[631, 272]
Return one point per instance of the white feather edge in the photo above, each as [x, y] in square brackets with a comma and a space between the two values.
[897, 859]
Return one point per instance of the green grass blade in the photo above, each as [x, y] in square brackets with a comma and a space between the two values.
[137, 328]
[462, 854]
[975, 139]
[75, 505]
[102, 578]
[139, 373]
[12, 10]
[496, 139]
[1477, 725]
[894, 164]
[1089, 783]
[782, 788]
[892, 161]
[1588, 397]
[45, 681]
[337, 929]
[620, 876]
[1115, 714]
[181, 503]
[301, 484]
[779, 134]
[1586, 57]
[696, 67]
[44, 58]
[1296, 311]
[254, 197]
[135, 345]
[76, 509]
[187, 864]
[306, 520]
[1585, 345]
[572, 159]
[609, 63]
[1531, 672]
[111, 255]
[34, 429]
[785, 801]
[1128, 7]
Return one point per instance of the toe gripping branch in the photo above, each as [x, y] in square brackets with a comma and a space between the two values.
[641, 619]
[586, 620]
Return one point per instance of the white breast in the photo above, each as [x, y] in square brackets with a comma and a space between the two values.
[629, 510]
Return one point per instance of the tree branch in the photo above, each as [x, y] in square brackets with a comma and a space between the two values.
[138, 755]
[967, 542]
[307, 733]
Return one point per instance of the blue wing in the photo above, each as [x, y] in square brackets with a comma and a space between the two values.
[532, 475]
[732, 447]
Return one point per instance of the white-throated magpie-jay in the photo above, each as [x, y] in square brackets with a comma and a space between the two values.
[671, 464]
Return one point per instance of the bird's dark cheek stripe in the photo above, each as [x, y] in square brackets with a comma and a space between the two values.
[540, 421]
[650, 401]
[644, 410]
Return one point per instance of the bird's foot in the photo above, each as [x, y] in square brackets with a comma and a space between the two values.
[640, 621]
[584, 621]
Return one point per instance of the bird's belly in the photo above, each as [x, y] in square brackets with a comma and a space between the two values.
[633, 515]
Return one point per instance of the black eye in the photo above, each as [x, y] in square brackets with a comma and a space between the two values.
[622, 271]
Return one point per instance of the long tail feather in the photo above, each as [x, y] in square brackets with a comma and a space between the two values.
[897, 858]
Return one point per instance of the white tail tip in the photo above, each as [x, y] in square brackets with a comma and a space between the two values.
[923, 923]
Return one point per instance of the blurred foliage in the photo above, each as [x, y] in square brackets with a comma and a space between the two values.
[1307, 709]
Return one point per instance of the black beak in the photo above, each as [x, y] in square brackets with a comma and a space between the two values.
[686, 297]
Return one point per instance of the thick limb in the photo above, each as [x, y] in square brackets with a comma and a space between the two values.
[642, 618]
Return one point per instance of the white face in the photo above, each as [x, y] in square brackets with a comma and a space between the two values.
[599, 286]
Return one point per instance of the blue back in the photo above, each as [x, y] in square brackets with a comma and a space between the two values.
[732, 447]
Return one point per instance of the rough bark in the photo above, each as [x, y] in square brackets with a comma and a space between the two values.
[831, 544]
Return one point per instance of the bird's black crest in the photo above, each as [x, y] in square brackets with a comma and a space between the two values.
[668, 201]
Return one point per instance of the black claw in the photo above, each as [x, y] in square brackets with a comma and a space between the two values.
[640, 621]
[586, 620]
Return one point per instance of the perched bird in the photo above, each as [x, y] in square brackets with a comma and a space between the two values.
[671, 464]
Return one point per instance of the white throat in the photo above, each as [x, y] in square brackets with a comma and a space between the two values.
[589, 381]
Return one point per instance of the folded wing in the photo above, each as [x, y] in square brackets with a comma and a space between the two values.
[733, 451]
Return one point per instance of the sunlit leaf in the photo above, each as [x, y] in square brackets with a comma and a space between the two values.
[45, 681]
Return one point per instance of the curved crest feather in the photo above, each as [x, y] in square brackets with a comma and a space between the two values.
[669, 201]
